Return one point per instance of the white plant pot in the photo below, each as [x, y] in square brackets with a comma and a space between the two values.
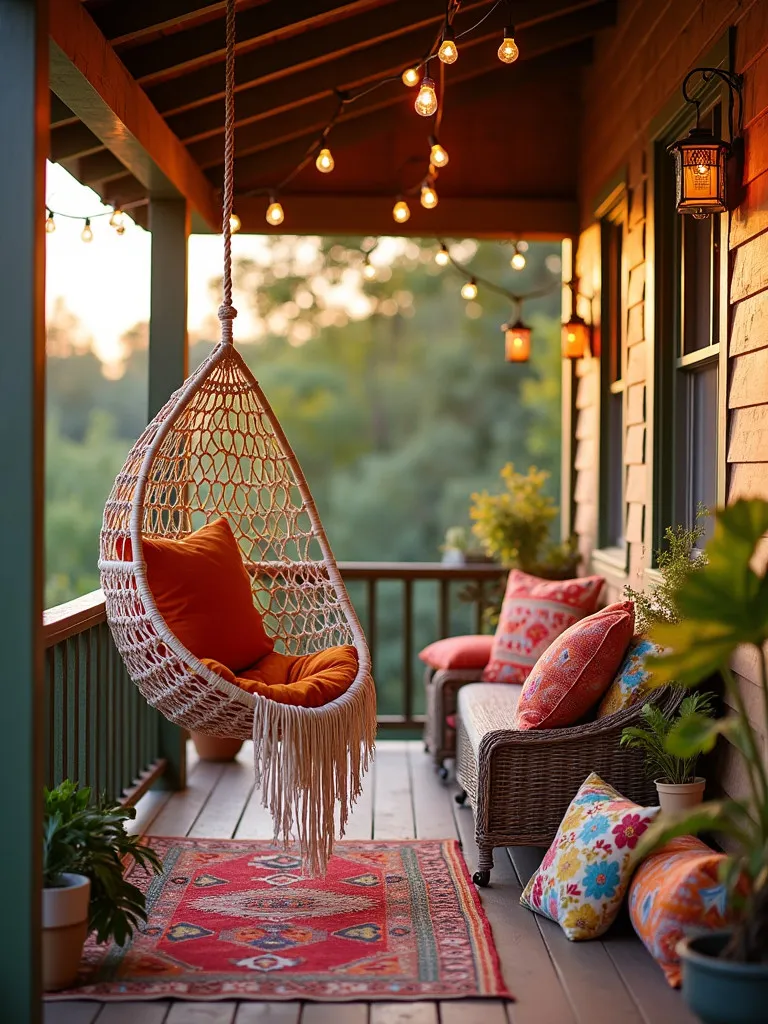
[674, 797]
[65, 929]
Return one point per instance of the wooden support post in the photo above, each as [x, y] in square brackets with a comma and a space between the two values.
[169, 224]
[24, 116]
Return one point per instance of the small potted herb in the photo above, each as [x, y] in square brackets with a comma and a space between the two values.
[85, 889]
[676, 780]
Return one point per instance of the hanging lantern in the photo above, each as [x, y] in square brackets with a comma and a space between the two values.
[576, 337]
[702, 164]
[517, 342]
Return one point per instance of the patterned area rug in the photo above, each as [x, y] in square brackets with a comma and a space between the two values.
[233, 919]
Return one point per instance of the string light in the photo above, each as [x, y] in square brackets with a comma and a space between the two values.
[449, 51]
[325, 162]
[518, 260]
[275, 212]
[442, 256]
[426, 101]
[469, 290]
[508, 51]
[87, 233]
[50, 224]
[428, 198]
[117, 219]
[438, 155]
[410, 77]
[234, 224]
[369, 271]
[401, 211]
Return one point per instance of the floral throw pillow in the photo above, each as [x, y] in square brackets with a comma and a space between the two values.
[533, 614]
[585, 873]
[629, 686]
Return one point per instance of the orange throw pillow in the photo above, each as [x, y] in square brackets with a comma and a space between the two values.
[460, 652]
[304, 680]
[576, 669]
[203, 591]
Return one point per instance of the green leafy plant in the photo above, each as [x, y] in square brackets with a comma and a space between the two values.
[514, 526]
[651, 738]
[456, 539]
[677, 559]
[90, 839]
[722, 607]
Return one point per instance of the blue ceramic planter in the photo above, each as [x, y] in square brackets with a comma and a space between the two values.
[722, 991]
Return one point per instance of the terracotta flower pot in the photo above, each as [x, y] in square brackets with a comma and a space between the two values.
[675, 797]
[65, 929]
[216, 748]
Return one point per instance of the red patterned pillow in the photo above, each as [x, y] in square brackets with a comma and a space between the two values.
[534, 612]
[464, 652]
[576, 669]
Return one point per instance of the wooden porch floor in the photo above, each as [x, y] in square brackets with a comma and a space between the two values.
[555, 981]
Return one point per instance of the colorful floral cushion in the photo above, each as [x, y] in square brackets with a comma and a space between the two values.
[586, 871]
[534, 612]
[629, 686]
[460, 652]
[677, 892]
[576, 669]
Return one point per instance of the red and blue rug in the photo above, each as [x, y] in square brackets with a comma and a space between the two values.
[236, 919]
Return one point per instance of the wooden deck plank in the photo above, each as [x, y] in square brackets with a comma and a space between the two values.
[432, 798]
[134, 1013]
[360, 821]
[477, 1011]
[404, 1013]
[223, 810]
[335, 1013]
[593, 985]
[201, 1013]
[180, 813]
[392, 803]
[147, 809]
[70, 1013]
[658, 1003]
[256, 821]
[525, 961]
[268, 1013]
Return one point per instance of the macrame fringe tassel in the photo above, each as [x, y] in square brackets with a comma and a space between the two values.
[308, 760]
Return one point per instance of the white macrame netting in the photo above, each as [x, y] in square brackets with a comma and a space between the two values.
[216, 449]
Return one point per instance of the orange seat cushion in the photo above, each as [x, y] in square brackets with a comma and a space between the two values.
[304, 680]
[203, 591]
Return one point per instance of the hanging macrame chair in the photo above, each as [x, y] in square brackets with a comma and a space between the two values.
[216, 450]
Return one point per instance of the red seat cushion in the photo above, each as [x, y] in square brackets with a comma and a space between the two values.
[460, 652]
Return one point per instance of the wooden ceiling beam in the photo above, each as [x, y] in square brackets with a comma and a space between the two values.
[88, 76]
[127, 24]
[73, 140]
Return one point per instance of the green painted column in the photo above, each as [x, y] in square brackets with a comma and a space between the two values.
[169, 224]
[24, 120]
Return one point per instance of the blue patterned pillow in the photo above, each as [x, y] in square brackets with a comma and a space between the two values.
[629, 686]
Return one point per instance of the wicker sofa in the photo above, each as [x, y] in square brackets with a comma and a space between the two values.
[441, 687]
[520, 782]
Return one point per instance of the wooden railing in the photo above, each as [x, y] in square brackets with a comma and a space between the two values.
[100, 731]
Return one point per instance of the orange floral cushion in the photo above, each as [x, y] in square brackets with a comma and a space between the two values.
[534, 612]
[576, 669]
[306, 680]
[461, 652]
[203, 591]
[677, 892]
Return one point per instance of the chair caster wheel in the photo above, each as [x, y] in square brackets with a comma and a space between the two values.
[426, 748]
[443, 772]
[481, 878]
[461, 798]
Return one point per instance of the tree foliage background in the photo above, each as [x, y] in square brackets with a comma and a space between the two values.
[393, 392]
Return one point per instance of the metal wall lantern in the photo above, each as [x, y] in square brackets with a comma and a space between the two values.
[517, 342]
[707, 169]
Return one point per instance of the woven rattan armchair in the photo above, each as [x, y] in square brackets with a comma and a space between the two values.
[520, 783]
[441, 687]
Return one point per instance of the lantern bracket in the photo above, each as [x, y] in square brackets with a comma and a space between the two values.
[735, 83]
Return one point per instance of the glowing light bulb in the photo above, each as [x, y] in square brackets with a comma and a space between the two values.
[508, 51]
[87, 233]
[117, 218]
[426, 101]
[702, 169]
[438, 156]
[120, 229]
[469, 290]
[369, 271]
[50, 225]
[401, 211]
[428, 197]
[325, 162]
[234, 224]
[275, 213]
[442, 258]
[518, 261]
[410, 77]
[449, 51]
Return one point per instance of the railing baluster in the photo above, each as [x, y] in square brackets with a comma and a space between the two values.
[479, 606]
[445, 608]
[73, 708]
[408, 650]
[60, 712]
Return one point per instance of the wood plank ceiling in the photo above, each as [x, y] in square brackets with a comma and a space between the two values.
[511, 131]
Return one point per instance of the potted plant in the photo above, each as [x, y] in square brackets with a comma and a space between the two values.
[675, 777]
[722, 608]
[215, 748]
[85, 889]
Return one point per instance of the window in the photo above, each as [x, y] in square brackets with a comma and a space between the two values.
[687, 353]
[611, 517]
